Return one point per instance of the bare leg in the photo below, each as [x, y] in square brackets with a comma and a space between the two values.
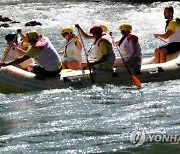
[64, 65]
[30, 67]
[157, 56]
[84, 65]
[118, 63]
[163, 54]
[74, 65]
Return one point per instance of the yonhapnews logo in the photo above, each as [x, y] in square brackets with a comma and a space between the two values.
[139, 137]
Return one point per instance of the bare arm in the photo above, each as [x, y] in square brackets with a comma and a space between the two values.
[5, 58]
[20, 51]
[23, 37]
[16, 61]
[103, 47]
[85, 35]
[61, 53]
[101, 60]
[78, 43]
[165, 35]
[116, 43]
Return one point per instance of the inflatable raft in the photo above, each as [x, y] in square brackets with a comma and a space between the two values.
[13, 79]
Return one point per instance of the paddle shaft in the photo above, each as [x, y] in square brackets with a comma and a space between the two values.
[135, 80]
[162, 39]
[92, 78]
[124, 62]
[66, 44]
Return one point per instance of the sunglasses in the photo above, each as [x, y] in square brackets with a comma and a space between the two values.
[64, 34]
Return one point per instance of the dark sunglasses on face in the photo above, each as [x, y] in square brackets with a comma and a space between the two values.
[64, 34]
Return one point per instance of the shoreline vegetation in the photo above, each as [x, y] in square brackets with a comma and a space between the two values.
[47, 1]
[128, 1]
[125, 1]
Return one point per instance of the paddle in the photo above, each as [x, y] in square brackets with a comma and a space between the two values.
[66, 44]
[162, 39]
[135, 80]
[9, 48]
[91, 76]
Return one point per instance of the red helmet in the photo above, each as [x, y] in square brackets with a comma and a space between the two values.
[96, 29]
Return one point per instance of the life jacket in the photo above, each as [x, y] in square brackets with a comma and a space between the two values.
[48, 58]
[110, 39]
[13, 54]
[72, 52]
[125, 47]
[110, 54]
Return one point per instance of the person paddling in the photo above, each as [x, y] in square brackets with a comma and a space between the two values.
[172, 31]
[11, 52]
[72, 52]
[104, 29]
[103, 49]
[130, 48]
[49, 64]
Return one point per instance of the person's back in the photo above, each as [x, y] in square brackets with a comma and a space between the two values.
[129, 49]
[45, 54]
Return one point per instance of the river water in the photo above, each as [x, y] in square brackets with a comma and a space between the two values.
[97, 118]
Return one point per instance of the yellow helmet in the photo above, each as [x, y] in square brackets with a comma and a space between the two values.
[66, 30]
[126, 27]
[32, 34]
[25, 45]
[104, 27]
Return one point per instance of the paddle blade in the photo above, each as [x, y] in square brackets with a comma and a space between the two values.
[135, 81]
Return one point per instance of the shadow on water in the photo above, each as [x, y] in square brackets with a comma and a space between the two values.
[5, 126]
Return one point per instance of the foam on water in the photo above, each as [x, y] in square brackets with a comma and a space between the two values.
[97, 118]
[54, 15]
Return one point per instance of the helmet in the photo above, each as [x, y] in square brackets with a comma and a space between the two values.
[32, 34]
[104, 27]
[66, 30]
[10, 37]
[126, 27]
[25, 45]
[96, 29]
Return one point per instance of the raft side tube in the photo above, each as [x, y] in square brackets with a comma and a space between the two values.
[169, 57]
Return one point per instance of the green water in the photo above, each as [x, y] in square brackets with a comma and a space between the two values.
[97, 118]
